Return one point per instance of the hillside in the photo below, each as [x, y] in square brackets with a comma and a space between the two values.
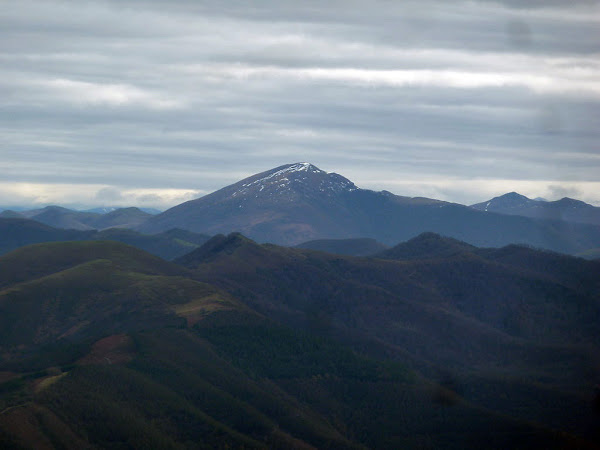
[350, 247]
[480, 293]
[476, 317]
[104, 345]
[427, 246]
[80, 289]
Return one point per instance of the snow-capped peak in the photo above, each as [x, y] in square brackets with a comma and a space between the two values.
[296, 177]
[292, 168]
[304, 167]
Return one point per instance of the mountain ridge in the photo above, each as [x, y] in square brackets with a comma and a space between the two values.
[296, 203]
[18, 232]
[70, 219]
[565, 209]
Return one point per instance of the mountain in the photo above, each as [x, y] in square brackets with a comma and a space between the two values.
[10, 214]
[15, 233]
[563, 269]
[470, 286]
[106, 346]
[566, 209]
[506, 202]
[285, 203]
[427, 246]
[108, 209]
[59, 217]
[13, 208]
[351, 247]
[121, 218]
[298, 202]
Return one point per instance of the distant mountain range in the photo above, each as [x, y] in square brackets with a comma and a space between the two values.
[296, 203]
[567, 209]
[300, 204]
[18, 232]
[107, 209]
[59, 217]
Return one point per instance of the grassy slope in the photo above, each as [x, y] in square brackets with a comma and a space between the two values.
[74, 291]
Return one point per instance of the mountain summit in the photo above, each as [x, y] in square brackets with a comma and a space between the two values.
[288, 204]
[507, 202]
[285, 183]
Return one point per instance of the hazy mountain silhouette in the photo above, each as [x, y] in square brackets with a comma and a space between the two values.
[17, 232]
[102, 218]
[567, 209]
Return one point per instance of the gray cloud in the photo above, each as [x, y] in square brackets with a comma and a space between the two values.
[109, 195]
[193, 95]
[558, 192]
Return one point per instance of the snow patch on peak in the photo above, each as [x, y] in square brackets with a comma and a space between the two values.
[339, 183]
[302, 167]
[290, 178]
[292, 168]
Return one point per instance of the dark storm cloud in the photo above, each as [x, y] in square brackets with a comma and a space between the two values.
[158, 100]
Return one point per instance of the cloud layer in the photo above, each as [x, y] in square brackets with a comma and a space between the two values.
[158, 101]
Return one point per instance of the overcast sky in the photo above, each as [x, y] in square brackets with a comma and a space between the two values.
[150, 103]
